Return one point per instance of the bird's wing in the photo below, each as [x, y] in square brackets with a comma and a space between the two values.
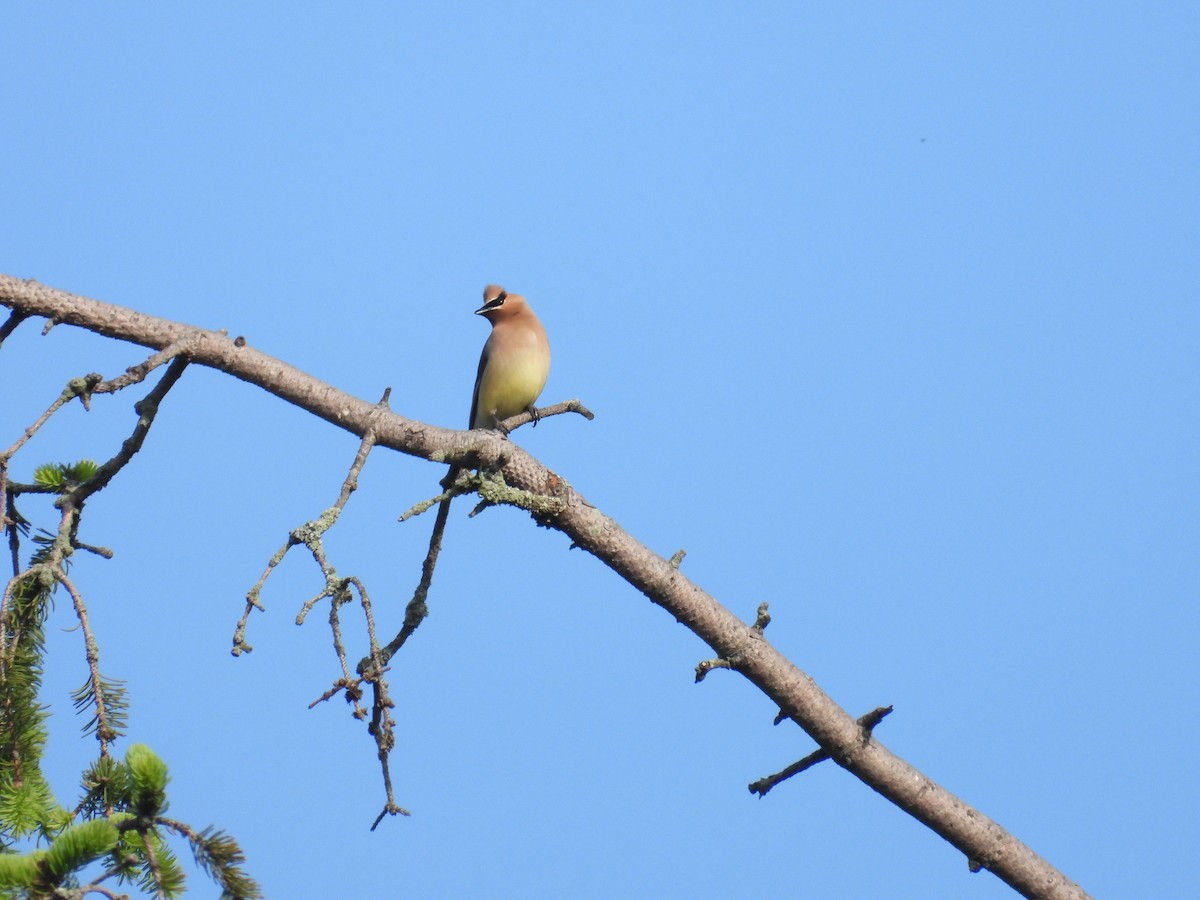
[483, 361]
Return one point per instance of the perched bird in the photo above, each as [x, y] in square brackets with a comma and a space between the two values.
[513, 370]
[515, 361]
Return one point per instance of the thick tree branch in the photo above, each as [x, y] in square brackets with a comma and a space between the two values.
[982, 841]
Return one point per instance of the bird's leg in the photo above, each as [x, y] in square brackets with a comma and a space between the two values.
[533, 411]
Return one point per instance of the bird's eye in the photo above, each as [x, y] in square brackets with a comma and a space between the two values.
[501, 297]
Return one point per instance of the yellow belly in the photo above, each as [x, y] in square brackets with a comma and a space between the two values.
[510, 383]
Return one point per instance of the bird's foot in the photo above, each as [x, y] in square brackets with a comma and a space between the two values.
[498, 425]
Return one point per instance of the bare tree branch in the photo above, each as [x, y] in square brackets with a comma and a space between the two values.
[984, 843]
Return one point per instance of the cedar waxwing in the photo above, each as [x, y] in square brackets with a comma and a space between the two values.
[515, 361]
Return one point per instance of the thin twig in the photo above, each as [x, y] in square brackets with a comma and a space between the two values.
[867, 723]
[76, 387]
[95, 888]
[335, 625]
[373, 641]
[105, 729]
[311, 535]
[383, 729]
[147, 409]
[135, 374]
[416, 610]
[15, 318]
[352, 688]
[545, 412]
[12, 522]
[152, 861]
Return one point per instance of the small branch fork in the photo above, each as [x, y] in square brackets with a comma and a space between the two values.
[98, 692]
[84, 387]
[311, 534]
[340, 591]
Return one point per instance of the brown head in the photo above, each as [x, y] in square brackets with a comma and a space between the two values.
[499, 304]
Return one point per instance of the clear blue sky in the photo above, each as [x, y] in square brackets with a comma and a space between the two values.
[889, 315]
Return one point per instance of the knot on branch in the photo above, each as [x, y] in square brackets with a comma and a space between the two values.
[83, 388]
[313, 530]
